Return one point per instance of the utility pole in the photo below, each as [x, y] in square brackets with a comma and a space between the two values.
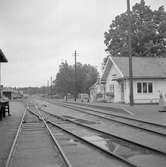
[75, 78]
[48, 87]
[130, 55]
[0, 83]
[51, 87]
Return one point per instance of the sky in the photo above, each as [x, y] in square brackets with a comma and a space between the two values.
[36, 36]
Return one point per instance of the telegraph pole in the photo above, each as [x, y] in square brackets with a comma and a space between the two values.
[0, 83]
[51, 87]
[130, 55]
[75, 78]
[48, 87]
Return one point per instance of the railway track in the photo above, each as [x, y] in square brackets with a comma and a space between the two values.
[77, 148]
[124, 120]
[122, 148]
[34, 145]
[131, 122]
[40, 142]
[138, 135]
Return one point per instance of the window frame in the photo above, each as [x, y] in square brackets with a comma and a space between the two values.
[151, 87]
[138, 88]
[145, 87]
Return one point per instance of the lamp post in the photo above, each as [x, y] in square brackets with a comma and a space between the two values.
[130, 55]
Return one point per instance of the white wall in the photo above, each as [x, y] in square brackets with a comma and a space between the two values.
[113, 74]
[126, 91]
[158, 85]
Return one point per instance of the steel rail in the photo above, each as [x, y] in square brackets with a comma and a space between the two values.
[67, 162]
[117, 116]
[118, 121]
[95, 146]
[90, 143]
[111, 114]
[108, 134]
[82, 106]
[15, 141]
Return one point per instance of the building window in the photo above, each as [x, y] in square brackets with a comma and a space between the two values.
[150, 87]
[144, 87]
[139, 87]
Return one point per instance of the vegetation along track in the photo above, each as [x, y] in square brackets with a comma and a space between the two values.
[127, 150]
[131, 122]
[34, 145]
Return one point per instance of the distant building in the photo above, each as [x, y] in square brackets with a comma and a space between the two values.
[149, 77]
[84, 97]
[12, 93]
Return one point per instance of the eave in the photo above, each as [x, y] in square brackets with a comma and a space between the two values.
[140, 77]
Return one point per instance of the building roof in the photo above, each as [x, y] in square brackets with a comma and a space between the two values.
[106, 70]
[143, 67]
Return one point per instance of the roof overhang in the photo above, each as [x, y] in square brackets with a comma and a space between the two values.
[107, 68]
[135, 78]
[3, 59]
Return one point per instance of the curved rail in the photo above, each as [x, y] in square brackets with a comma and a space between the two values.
[53, 138]
[18, 132]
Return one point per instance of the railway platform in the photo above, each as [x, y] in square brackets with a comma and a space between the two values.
[8, 128]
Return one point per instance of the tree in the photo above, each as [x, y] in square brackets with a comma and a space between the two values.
[65, 78]
[90, 77]
[148, 32]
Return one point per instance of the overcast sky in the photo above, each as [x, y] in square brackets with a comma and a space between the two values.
[37, 35]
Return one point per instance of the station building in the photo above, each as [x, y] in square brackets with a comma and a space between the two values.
[149, 79]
